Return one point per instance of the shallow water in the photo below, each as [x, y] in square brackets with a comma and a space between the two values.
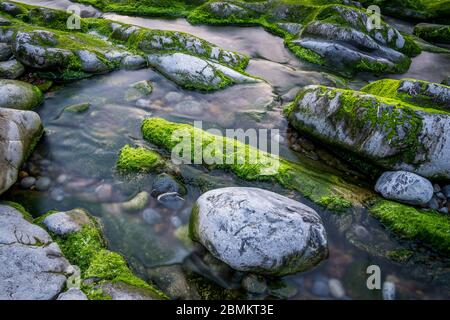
[79, 151]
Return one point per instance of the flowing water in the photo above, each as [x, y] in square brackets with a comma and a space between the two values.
[79, 151]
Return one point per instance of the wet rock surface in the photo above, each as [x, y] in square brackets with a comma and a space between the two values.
[256, 230]
[32, 265]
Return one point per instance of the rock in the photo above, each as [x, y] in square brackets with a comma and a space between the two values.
[58, 194]
[259, 231]
[436, 188]
[37, 49]
[78, 108]
[417, 92]
[190, 108]
[27, 182]
[290, 27]
[43, 184]
[176, 222]
[173, 97]
[388, 290]
[406, 187]
[31, 264]
[91, 63]
[139, 202]
[104, 192]
[72, 294]
[225, 9]
[19, 95]
[123, 291]
[65, 223]
[11, 69]
[19, 132]
[433, 203]
[321, 287]
[285, 291]
[11, 8]
[444, 210]
[433, 32]
[171, 200]
[392, 134]
[173, 282]
[336, 288]
[164, 183]
[192, 72]
[138, 90]
[446, 190]
[133, 62]
[151, 216]
[4, 22]
[254, 284]
[5, 52]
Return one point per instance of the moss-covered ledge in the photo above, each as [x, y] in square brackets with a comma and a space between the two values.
[430, 227]
[86, 248]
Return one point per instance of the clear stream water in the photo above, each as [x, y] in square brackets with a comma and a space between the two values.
[79, 151]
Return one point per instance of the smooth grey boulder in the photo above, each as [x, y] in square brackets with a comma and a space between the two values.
[259, 231]
[65, 223]
[11, 69]
[19, 132]
[291, 27]
[390, 133]
[73, 294]
[428, 93]
[123, 291]
[31, 264]
[225, 9]
[5, 52]
[20, 95]
[11, 8]
[37, 49]
[91, 63]
[196, 73]
[404, 187]
[133, 62]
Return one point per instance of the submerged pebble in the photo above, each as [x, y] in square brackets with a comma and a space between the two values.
[43, 183]
[27, 182]
[151, 216]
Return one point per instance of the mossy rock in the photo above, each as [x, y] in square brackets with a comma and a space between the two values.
[433, 32]
[19, 95]
[139, 160]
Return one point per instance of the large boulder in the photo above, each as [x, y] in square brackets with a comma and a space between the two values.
[31, 264]
[393, 134]
[404, 187]
[19, 95]
[19, 132]
[260, 231]
[37, 49]
[196, 73]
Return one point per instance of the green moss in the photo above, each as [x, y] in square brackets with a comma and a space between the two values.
[433, 32]
[78, 108]
[400, 255]
[335, 203]
[429, 227]
[252, 164]
[422, 97]
[139, 160]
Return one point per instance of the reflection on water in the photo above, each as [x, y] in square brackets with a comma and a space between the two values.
[79, 151]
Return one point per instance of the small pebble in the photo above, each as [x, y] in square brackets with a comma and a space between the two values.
[446, 191]
[320, 287]
[43, 184]
[151, 216]
[62, 178]
[443, 210]
[254, 284]
[27, 182]
[336, 288]
[58, 194]
[23, 174]
[104, 192]
[436, 188]
[388, 291]
[433, 203]
[171, 200]
[176, 222]
[441, 196]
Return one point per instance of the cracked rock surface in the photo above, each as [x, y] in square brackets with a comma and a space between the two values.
[32, 266]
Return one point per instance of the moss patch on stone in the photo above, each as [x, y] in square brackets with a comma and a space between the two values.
[430, 227]
[139, 160]
[251, 164]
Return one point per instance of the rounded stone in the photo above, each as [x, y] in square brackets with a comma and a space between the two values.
[19, 95]
[43, 184]
[72, 294]
[164, 183]
[336, 288]
[406, 187]
[254, 284]
[151, 216]
[27, 182]
[259, 231]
